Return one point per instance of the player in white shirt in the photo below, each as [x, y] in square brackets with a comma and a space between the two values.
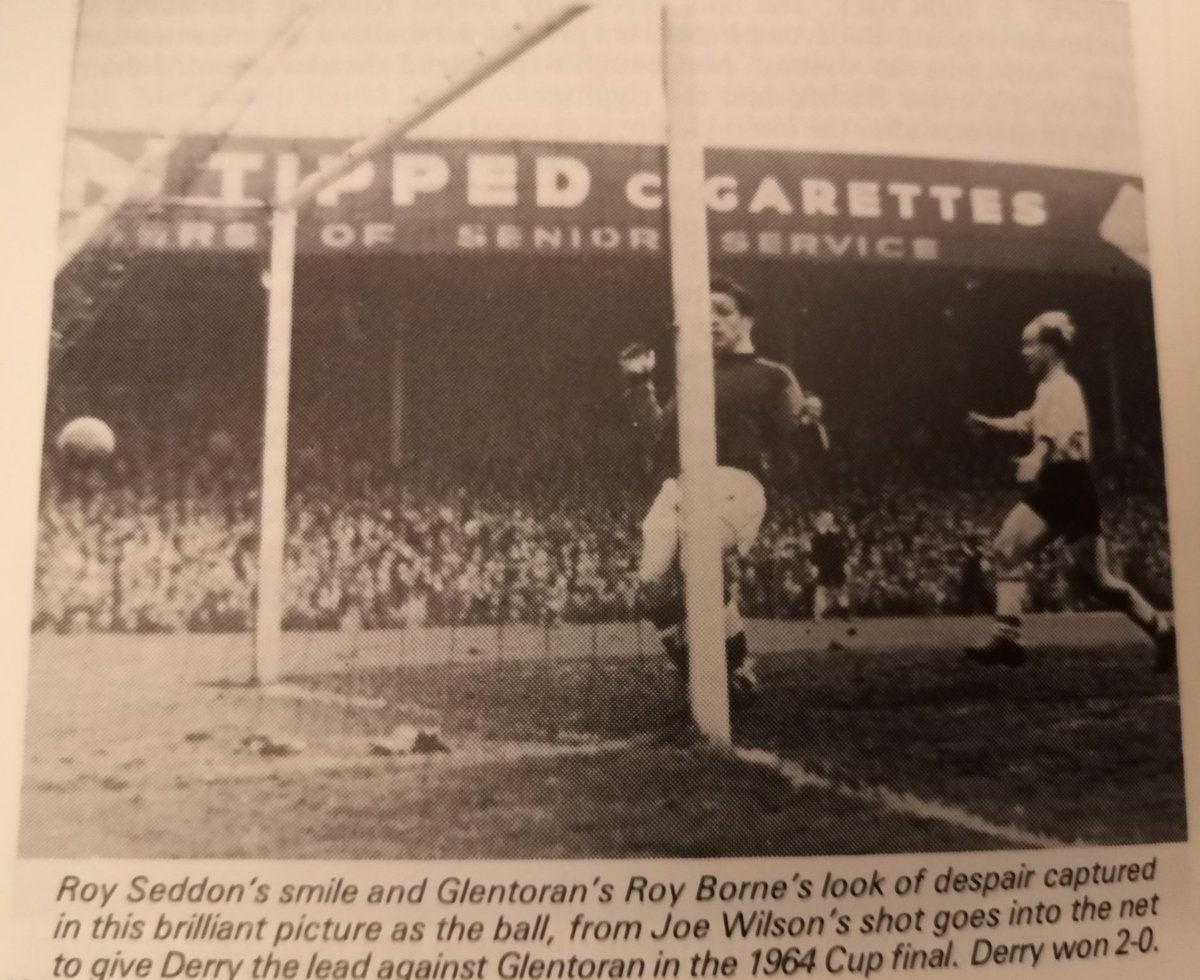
[1060, 501]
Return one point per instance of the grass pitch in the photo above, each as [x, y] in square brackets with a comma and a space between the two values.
[139, 746]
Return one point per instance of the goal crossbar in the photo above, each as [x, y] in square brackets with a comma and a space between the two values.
[425, 106]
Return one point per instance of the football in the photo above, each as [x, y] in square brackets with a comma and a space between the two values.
[86, 438]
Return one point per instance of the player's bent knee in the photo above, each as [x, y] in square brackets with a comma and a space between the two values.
[1020, 534]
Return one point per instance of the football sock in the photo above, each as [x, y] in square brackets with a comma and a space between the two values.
[736, 651]
[673, 634]
[735, 636]
[1010, 600]
[668, 618]
[674, 643]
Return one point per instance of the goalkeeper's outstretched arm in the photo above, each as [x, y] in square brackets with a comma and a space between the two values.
[647, 415]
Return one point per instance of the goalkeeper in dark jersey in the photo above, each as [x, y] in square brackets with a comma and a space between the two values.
[759, 407]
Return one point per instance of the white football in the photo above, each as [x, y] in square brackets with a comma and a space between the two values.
[86, 436]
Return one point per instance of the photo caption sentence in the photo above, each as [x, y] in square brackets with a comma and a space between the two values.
[940, 914]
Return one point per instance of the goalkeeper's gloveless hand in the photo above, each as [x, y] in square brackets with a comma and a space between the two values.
[636, 360]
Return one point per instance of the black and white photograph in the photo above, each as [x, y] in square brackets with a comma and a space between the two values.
[519, 430]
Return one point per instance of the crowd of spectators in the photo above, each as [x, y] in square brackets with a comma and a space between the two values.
[536, 525]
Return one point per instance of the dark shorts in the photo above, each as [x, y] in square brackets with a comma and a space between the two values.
[831, 578]
[1064, 496]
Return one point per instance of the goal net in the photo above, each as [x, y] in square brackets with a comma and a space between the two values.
[335, 470]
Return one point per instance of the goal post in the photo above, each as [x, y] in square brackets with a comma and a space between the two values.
[695, 396]
[268, 634]
[272, 527]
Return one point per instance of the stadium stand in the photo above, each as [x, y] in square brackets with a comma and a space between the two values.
[165, 539]
[518, 496]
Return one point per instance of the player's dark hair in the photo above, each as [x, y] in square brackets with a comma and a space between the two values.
[1055, 339]
[742, 297]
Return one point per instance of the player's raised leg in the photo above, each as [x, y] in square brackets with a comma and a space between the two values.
[1021, 535]
[660, 592]
[742, 505]
[1090, 555]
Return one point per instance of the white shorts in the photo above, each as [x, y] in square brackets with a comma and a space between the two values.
[741, 506]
